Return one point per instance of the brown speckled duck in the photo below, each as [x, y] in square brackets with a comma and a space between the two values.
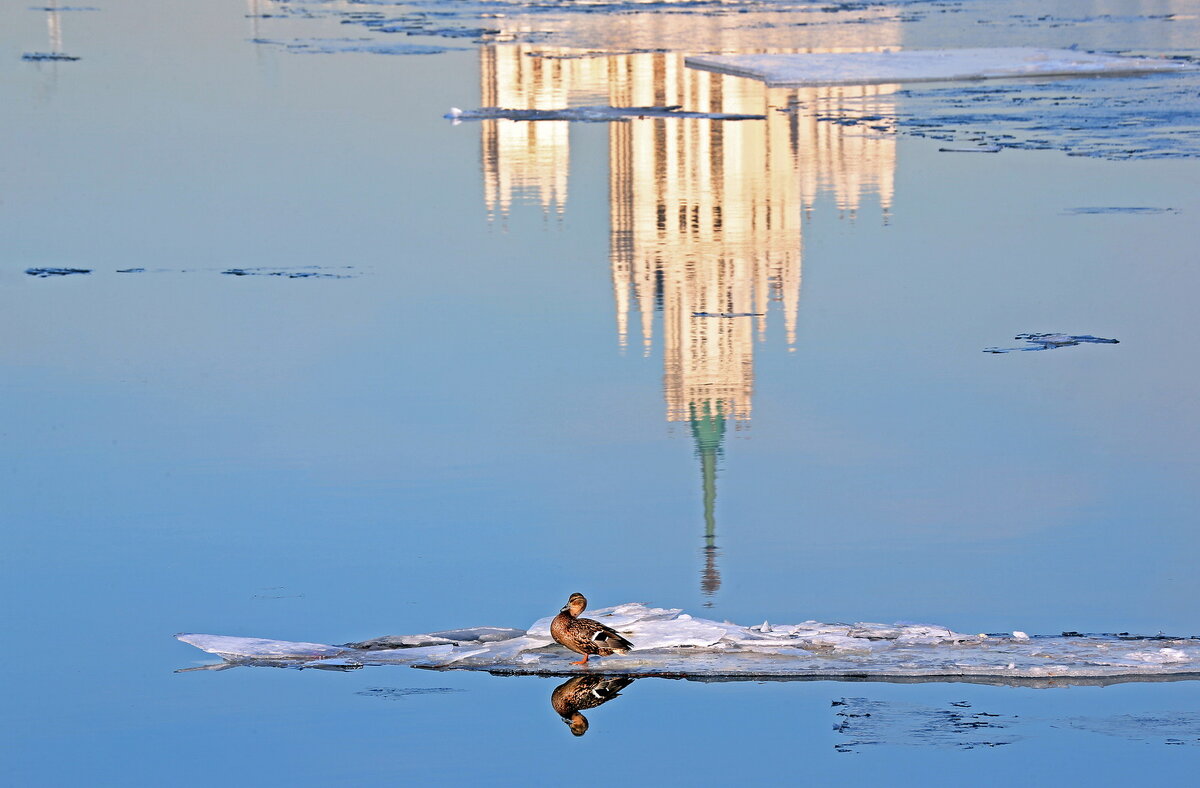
[583, 635]
[585, 692]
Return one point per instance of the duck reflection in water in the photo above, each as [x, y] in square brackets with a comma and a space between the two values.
[585, 692]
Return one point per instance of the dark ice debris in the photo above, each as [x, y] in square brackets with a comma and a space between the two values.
[590, 114]
[873, 722]
[131, 270]
[728, 314]
[45, 272]
[396, 693]
[1052, 342]
[44, 56]
[978, 149]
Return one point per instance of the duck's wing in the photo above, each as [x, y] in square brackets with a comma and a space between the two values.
[602, 636]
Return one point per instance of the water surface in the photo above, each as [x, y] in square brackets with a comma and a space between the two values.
[503, 391]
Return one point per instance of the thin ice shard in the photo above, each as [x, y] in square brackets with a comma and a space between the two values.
[590, 114]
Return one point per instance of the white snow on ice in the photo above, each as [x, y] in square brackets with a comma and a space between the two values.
[873, 68]
[669, 642]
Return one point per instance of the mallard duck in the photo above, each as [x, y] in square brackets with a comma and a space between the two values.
[583, 635]
[585, 692]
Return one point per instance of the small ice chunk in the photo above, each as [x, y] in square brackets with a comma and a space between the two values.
[1019, 635]
[1162, 656]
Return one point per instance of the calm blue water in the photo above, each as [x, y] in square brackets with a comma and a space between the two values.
[478, 419]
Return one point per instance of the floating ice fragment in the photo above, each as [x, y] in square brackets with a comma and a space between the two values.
[1051, 342]
[874, 68]
[1107, 209]
[727, 314]
[334, 46]
[306, 272]
[589, 114]
[47, 56]
[42, 273]
[977, 149]
[669, 642]
[1019, 635]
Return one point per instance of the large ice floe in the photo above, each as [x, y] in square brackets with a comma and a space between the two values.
[939, 65]
[670, 643]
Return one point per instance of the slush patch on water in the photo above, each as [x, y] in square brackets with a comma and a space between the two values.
[671, 643]
[327, 46]
[1181, 728]
[1107, 209]
[399, 693]
[1148, 117]
[309, 272]
[866, 723]
[43, 273]
[1052, 342]
[590, 25]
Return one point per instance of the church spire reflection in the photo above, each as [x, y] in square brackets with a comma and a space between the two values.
[706, 216]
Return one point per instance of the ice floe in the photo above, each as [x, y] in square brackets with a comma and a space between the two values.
[1051, 342]
[590, 114]
[672, 643]
[939, 65]
[43, 273]
[38, 57]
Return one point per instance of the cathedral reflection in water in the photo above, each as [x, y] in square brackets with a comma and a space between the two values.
[706, 216]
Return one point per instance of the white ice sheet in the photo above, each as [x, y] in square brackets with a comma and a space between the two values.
[874, 68]
[670, 642]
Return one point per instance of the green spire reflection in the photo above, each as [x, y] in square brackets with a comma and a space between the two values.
[707, 419]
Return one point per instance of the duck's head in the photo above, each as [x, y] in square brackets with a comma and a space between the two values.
[575, 605]
[577, 723]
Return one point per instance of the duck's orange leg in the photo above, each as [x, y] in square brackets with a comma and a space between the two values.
[582, 661]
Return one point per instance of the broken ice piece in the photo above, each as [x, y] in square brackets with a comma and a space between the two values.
[1051, 342]
[589, 114]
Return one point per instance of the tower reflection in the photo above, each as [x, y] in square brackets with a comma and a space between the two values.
[706, 216]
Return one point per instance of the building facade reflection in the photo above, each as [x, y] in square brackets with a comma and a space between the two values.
[706, 216]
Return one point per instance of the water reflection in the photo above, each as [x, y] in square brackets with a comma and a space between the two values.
[585, 692]
[705, 216]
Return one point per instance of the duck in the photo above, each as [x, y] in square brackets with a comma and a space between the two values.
[585, 692]
[583, 635]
